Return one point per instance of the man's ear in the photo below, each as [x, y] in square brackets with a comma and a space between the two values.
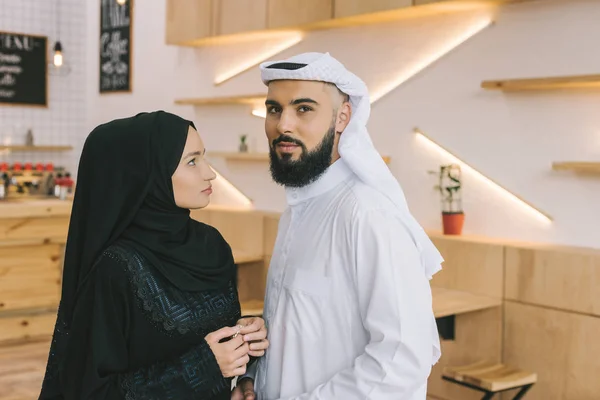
[343, 117]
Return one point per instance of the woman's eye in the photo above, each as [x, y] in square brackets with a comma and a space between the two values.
[192, 161]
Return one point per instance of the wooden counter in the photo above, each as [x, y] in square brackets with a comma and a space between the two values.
[32, 239]
[536, 306]
[34, 208]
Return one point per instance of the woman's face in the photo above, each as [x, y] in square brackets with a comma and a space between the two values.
[192, 179]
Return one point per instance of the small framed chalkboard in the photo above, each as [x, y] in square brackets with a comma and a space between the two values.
[115, 46]
[23, 69]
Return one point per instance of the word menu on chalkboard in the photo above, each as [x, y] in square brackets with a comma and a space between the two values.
[115, 46]
[23, 69]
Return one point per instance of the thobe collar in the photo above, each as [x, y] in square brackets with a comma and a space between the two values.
[335, 174]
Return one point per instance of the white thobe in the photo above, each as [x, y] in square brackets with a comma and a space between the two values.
[348, 306]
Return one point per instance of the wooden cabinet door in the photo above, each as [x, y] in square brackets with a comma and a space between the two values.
[188, 20]
[348, 8]
[290, 13]
[236, 16]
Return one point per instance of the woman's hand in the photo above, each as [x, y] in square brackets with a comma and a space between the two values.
[255, 333]
[232, 356]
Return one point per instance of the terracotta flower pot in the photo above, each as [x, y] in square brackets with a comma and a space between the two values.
[453, 222]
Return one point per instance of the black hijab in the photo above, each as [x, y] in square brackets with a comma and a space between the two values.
[125, 192]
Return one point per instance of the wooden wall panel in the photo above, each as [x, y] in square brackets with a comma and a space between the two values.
[347, 8]
[188, 20]
[478, 336]
[470, 266]
[561, 347]
[235, 16]
[559, 277]
[34, 228]
[17, 328]
[283, 14]
[30, 276]
[243, 230]
[25, 208]
[251, 281]
[202, 215]
[22, 370]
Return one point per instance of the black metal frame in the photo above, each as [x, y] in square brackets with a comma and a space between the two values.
[446, 327]
[488, 395]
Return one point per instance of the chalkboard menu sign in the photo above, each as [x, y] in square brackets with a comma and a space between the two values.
[115, 46]
[23, 69]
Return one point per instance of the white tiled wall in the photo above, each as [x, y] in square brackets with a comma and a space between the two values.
[63, 122]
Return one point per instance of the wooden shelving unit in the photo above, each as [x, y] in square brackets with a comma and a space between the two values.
[549, 83]
[204, 101]
[35, 148]
[233, 156]
[581, 167]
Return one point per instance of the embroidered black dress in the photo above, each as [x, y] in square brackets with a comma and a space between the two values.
[139, 322]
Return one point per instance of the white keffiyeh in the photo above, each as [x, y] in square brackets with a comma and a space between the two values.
[355, 145]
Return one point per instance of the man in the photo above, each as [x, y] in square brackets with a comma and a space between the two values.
[348, 301]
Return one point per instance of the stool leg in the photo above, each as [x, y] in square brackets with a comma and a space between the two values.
[488, 396]
[522, 392]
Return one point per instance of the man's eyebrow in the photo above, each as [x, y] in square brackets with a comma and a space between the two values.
[303, 100]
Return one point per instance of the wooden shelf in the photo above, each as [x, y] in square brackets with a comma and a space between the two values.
[583, 167]
[36, 148]
[179, 32]
[233, 156]
[559, 82]
[448, 302]
[244, 257]
[252, 307]
[204, 101]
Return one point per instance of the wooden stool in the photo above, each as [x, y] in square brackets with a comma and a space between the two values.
[491, 378]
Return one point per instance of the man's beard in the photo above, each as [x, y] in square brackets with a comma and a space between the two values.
[308, 168]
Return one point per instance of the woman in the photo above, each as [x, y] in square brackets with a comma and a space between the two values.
[149, 302]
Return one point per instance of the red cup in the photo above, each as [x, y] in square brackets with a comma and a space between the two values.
[17, 166]
[39, 167]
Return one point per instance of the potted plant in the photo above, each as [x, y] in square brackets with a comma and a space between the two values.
[243, 145]
[449, 186]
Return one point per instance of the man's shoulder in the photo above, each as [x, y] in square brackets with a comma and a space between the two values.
[364, 200]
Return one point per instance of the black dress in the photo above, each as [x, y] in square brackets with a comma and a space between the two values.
[146, 337]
